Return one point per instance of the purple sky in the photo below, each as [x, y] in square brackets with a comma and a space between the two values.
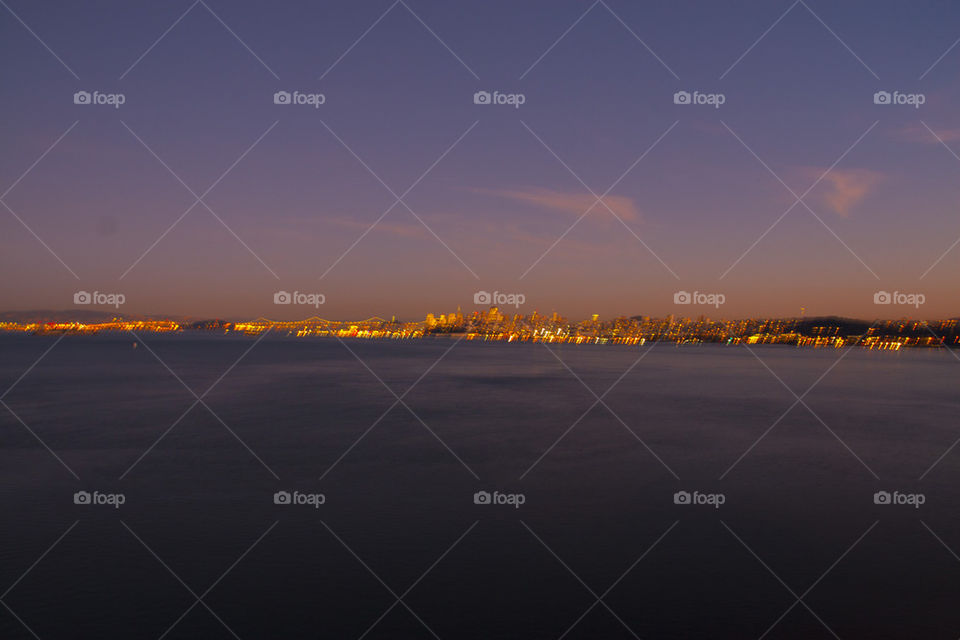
[496, 190]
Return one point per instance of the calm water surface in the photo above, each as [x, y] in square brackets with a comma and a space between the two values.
[597, 479]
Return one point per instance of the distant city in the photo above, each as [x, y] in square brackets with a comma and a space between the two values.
[495, 325]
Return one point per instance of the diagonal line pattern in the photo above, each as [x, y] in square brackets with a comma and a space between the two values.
[198, 399]
[399, 400]
[399, 599]
[797, 400]
[801, 401]
[599, 199]
[957, 241]
[818, 19]
[799, 599]
[215, 17]
[615, 17]
[39, 39]
[38, 560]
[24, 575]
[599, 400]
[17, 181]
[199, 599]
[20, 420]
[399, 199]
[799, 199]
[415, 17]
[598, 599]
[199, 199]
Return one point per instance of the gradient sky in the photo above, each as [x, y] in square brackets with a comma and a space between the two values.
[800, 98]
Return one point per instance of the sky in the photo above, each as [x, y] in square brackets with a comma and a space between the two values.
[400, 195]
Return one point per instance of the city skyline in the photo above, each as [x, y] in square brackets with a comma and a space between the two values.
[493, 324]
[786, 157]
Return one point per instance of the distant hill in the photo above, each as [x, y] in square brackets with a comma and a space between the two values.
[80, 315]
[847, 326]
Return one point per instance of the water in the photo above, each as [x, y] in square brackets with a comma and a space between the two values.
[399, 495]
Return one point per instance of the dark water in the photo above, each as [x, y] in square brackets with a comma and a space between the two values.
[399, 519]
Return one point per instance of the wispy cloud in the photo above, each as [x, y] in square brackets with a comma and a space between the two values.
[919, 133]
[843, 189]
[565, 202]
[413, 230]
